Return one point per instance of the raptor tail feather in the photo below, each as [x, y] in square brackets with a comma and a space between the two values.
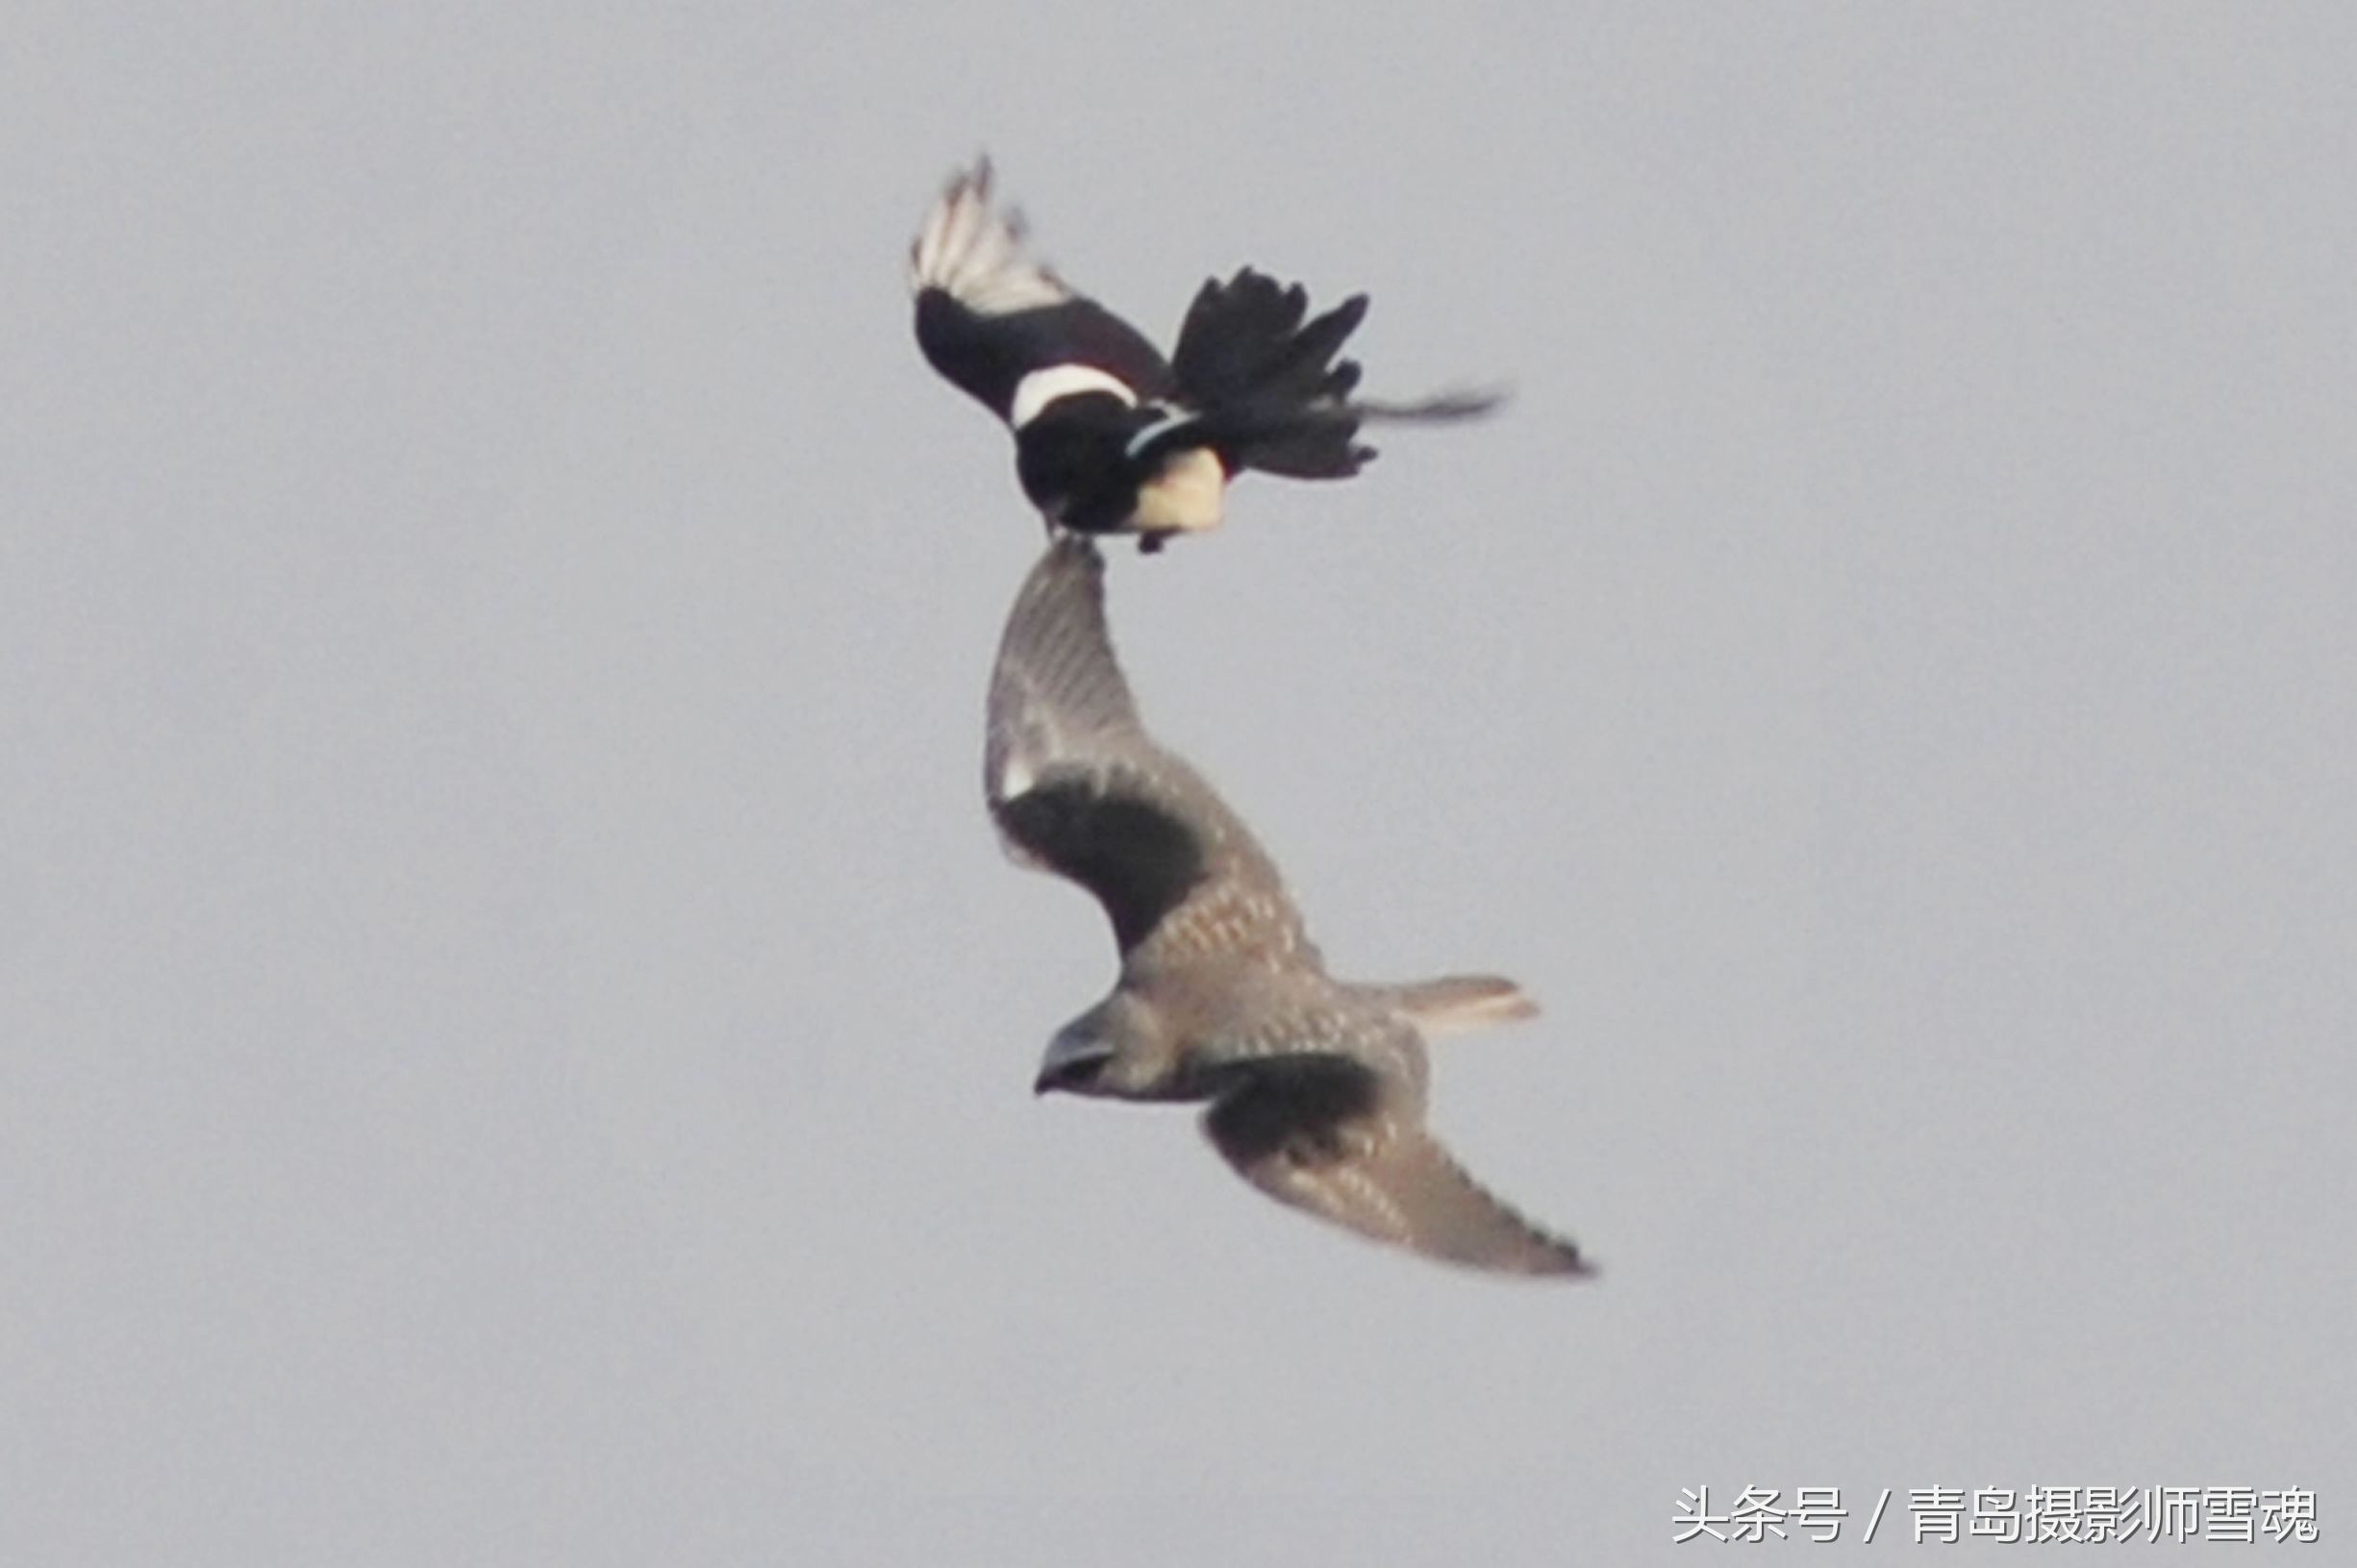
[1458, 1004]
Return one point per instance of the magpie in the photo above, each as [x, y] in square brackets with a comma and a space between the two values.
[1111, 438]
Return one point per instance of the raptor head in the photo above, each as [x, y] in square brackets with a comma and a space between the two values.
[1074, 1062]
[1116, 1050]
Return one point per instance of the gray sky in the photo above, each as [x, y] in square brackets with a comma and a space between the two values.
[516, 1033]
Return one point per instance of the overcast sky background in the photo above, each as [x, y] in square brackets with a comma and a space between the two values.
[515, 1034]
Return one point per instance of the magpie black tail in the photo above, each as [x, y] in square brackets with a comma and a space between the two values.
[1263, 378]
[1269, 393]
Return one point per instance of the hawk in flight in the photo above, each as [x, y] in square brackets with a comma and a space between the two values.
[1109, 438]
[1316, 1087]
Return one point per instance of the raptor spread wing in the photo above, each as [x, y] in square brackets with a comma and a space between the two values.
[1077, 785]
[1327, 1134]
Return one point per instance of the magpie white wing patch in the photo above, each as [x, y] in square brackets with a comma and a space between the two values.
[977, 252]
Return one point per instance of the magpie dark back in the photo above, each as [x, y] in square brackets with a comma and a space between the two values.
[988, 356]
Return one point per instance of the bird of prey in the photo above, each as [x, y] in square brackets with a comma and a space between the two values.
[1109, 438]
[1316, 1087]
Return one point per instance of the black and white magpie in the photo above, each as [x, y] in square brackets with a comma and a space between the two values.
[1109, 438]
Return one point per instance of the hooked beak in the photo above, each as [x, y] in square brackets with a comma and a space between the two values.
[1070, 1070]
